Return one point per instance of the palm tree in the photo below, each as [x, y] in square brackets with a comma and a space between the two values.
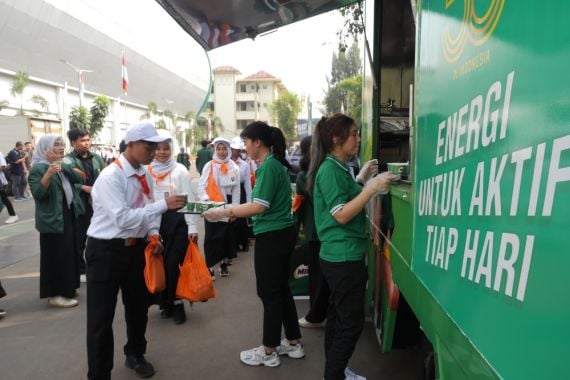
[152, 110]
[20, 82]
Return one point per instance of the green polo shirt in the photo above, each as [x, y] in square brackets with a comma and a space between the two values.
[273, 191]
[334, 187]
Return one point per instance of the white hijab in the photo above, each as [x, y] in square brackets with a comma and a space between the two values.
[160, 168]
[47, 142]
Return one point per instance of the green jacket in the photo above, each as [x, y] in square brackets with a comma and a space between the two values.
[49, 217]
[98, 165]
[204, 155]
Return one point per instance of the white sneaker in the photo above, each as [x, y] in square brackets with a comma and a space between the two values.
[295, 351]
[12, 219]
[350, 375]
[83, 278]
[257, 356]
[59, 301]
[310, 325]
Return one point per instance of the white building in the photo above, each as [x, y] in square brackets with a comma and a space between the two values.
[164, 64]
[239, 100]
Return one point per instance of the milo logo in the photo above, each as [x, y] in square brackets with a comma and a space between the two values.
[301, 271]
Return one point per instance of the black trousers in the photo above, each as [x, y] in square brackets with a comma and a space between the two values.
[345, 319]
[19, 183]
[83, 222]
[271, 261]
[6, 201]
[112, 266]
[318, 288]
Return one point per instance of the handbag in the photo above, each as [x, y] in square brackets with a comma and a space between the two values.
[195, 281]
[154, 275]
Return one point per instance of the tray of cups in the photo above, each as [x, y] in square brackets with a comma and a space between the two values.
[200, 207]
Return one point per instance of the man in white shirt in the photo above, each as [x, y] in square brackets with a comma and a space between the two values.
[124, 215]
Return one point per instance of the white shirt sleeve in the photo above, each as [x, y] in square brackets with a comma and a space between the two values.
[202, 195]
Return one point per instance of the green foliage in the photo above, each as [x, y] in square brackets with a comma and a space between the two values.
[285, 110]
[345, 86]
[353, 25]
[79, 117]
[41, 101]
[20, 82]
[152, 110]
[99, 111]
[346, 64]
[161, 124]
[4, 104]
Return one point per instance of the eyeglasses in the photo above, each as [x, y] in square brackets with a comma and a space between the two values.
[354, 132]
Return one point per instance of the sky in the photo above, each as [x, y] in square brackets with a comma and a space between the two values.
[299, 54]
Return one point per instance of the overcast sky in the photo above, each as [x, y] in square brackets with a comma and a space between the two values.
[299, 54]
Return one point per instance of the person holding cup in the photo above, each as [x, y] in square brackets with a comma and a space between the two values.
[176, 229]
[340, 219]
[57, 208]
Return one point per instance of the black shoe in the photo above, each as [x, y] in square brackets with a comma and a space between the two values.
[224, 272]
[2, 313]
[138, 363]
[166, 313]
[179, 314]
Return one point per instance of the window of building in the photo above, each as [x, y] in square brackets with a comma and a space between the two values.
[252, 87]
[243, 106]
[242, 88]
[265, 87]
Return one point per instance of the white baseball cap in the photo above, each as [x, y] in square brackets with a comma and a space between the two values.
[144, 132]
[237, 143]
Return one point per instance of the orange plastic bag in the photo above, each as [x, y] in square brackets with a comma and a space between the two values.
[195, 282]
[154, 275]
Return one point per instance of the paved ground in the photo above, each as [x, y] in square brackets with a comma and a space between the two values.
[39, 342]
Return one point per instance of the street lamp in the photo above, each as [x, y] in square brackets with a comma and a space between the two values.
[169, 102]
[79, 78]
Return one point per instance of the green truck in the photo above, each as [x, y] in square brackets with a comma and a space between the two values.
[467, 252]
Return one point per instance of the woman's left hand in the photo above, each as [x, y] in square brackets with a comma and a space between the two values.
[193, 237]
[51, 155]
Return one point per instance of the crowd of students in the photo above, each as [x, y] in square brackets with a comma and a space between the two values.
[96, 217]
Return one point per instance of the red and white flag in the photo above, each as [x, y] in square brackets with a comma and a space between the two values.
[125, 75]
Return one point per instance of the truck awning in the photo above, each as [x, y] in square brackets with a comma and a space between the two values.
[217, 23]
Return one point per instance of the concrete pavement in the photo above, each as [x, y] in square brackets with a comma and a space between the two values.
[39, 342]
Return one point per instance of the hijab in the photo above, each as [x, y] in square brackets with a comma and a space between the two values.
[217, 160]
[47, 142]
[158, 169]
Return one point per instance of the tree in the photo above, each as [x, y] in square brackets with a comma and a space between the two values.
[41, 101]
[79, 118]
[152, 110]
[4, 104]
[94, 119]
[344, 93]
[353, 24]
[20, 82]
[99, 111]
[285, 110]
[346, 64]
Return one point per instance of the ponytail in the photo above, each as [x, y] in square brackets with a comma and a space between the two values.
[271, 137]
[279, 146]
[338, 125]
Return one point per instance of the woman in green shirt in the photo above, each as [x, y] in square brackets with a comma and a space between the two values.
[274, 242]
[339, 203]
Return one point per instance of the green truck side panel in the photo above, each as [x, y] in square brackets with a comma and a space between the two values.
[490, 291]
[492, 111]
